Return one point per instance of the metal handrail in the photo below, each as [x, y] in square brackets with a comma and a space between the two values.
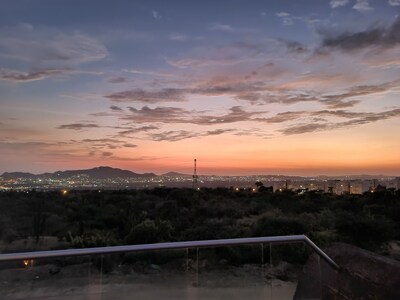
[169, 246]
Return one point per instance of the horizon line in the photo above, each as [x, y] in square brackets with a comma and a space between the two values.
[206, 174]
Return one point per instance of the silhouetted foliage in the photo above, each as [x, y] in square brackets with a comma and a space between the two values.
[92, 218]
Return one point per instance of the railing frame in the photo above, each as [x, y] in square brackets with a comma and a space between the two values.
[170, 246]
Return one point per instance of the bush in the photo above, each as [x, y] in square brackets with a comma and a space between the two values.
[149, 231]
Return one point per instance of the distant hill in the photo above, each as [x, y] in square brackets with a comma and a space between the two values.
[176, 174]
[13, 175]
[96, 173]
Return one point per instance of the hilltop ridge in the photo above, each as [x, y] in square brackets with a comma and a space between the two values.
[101, 172]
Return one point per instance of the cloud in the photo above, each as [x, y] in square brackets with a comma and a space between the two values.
[17, 76]
[394, 2]
[139, 95]
[304, 128]
[46, 45]
[378, 36]
[158, 114]
[104, 140]
[336, 101]
[333, 101]
[218, 131]
[338, 3]
[226, 55]
[356, 119]
[220, 27]
[358, 40]
[283, 14]
[178, 37]
[295, 47]
[78, 126]
[117, 80]
[135, 130]
[23, 151]
[115, 108]
[129, 145]
[148, 73]
[236, 114]
[199, 62]
[105, 143]
[385, 58]
[226, 28]
[102, 114]
[173, 136]
[335, 104]
[229, 87]
[283, 117]
[22, 144]
[170, 115]
[287, 19]
[362, 6]
[156, 15]
[106, 154]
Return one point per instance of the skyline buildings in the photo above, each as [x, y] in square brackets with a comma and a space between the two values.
[257, 87]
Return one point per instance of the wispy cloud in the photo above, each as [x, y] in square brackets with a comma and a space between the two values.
[394, 2]
[149, 73]
[284, 117]
[287, 19]
[158, 114]
[139, 95]
[129, 145]
[106, 154]
[18, 76]
[338, 3]
[156, 15]
[173, 136]
[178, 135]
[171, 115]
[178, 37]
[46, 45]
[115, 108]
[356, 119]
[78, 126]
[236, 114]
[220, 27]
[135, 130]
[117, 80]
[295, 47]
[225, 55]
[363, 5]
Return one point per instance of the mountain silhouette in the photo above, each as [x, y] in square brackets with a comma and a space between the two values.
[96, 173]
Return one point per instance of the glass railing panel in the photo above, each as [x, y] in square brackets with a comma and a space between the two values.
[56, 278]
[230, 273]
[283, 268]
[257, 271]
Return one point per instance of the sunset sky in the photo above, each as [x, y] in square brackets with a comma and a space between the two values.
[296, 87]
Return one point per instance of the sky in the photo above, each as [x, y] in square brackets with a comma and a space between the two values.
[305, 87]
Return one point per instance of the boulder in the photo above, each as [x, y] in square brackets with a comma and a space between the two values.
[363, 275]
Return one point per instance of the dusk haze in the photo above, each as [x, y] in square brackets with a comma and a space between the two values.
[246, 87]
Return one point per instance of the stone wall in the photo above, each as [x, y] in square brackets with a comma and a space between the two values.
[363, 275]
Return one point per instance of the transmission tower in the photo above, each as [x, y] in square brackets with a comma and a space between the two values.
[195, 185]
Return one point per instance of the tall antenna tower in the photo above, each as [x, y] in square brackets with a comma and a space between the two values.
[195, 185]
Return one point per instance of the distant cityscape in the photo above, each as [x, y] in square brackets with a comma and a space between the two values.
[112, 178]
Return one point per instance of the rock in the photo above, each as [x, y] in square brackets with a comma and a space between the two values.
[363, 275]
